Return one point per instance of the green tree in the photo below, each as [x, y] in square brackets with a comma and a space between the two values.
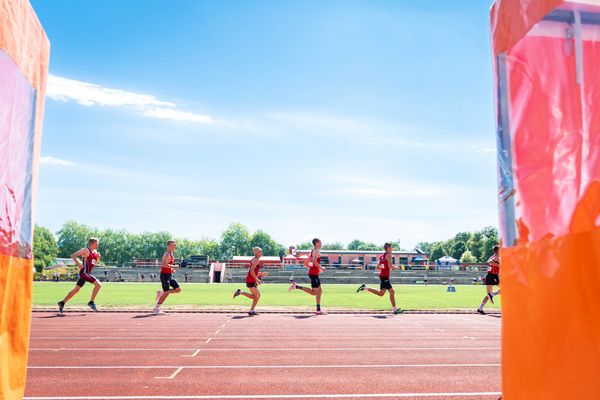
[425, 247]
[210, 248]
[370, 247]
[235, 241]
[263, 240]
[475, 245]
[467, 257]
[437, 251]
[462, 236]
[304, 246]
[72, 236]
[333, 246]
[355, 244]
[457, 250]
[45, 248]
[488, 248]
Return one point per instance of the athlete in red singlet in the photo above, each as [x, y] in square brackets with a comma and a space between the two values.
[384, 267]
[313, 263]
[90, 257]
[492, 278]
[167, 269]
[252, 280]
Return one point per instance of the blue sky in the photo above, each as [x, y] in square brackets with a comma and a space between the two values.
[337, 119]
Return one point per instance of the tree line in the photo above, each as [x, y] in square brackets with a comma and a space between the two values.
[120, 246]
[464, 246]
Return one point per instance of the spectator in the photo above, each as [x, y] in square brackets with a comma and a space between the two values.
[185, 275]
[183, 263]
[105, 276]
[229, 277]
[142, 276]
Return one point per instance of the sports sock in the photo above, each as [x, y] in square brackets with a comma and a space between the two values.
[299, 287]
[318, 307]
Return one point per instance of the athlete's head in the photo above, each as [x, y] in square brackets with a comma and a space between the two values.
[171, 245]
[257, 251]
[93, 243]
[317, 243]
[387, 247]
[496, 249]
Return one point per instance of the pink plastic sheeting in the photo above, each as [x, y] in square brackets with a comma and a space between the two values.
[17, 99]
[554, 131]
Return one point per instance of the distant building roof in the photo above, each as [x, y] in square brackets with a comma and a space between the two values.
[248, 258]
[396, 253]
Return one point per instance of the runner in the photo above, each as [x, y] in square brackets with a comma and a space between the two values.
[252, 281]
[166, 277]
[384, 266]
[90, 257]
[313, 263]
[492, 278]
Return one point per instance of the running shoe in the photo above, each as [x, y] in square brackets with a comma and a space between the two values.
[237, 293]
[61, 307]
[92, 305]
[398, 311]
[292, 286]
[361, 288]
[480, 311]
[252, 312]
[491, 297]
[158, 311]
[320, 312]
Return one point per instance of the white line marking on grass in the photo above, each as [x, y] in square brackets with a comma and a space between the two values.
[278, 396]
[173, 375]
[345, 366]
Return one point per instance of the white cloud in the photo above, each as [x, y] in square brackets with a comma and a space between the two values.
[48, 160]
[90, 94]
[175, 115]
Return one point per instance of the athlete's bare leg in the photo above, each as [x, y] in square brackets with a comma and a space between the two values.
[72, 293]
[97, 287]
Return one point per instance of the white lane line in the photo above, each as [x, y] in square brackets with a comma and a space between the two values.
[479, 321]
[208, 340]
[276, 349]
[192, 355]
[279, 396]
[217, 332]
[345, 366]
[173, 375]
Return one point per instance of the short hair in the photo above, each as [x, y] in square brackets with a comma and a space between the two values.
[496, 248]
[314, 241]
[387, 245]
[93, 240]
[255, 249]
[170, 242]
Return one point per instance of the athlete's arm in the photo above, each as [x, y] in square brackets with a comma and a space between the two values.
[165, 261]
[389, 260]
[81, 253]
[252, 272]
[316, 255]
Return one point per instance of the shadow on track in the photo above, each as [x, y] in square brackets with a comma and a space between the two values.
[60, 316]
[147, 315]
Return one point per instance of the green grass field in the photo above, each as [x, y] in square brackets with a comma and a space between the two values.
[197, 295]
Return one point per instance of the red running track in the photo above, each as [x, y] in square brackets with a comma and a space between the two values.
[112, 356]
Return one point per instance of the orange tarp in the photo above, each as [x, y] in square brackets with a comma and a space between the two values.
[24, 57]
[548, 99]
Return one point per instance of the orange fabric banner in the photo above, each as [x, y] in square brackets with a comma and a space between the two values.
[547, 58]
[24, 57]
